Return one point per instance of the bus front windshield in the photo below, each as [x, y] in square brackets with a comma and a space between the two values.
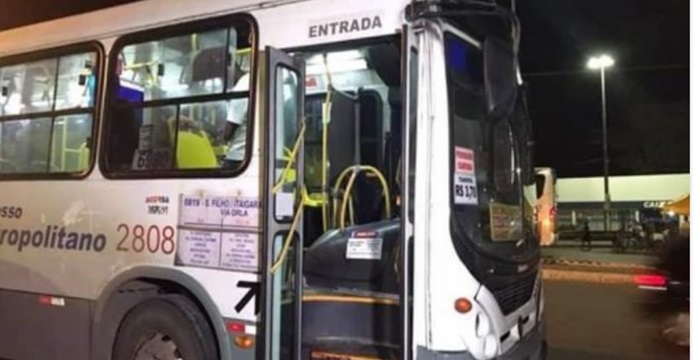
[487, 196]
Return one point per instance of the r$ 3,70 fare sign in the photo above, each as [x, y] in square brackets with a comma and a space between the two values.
[465, 190]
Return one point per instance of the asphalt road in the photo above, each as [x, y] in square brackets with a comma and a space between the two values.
[599, 322]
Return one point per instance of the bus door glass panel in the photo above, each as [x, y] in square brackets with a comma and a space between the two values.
[286, 171]
[287, 131]
[284, 163]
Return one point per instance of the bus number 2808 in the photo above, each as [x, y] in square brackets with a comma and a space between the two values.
[152, 239]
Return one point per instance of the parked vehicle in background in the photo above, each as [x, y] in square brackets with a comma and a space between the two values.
[666, 290]
[545, 180]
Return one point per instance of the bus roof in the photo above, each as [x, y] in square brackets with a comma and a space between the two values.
[115, 21]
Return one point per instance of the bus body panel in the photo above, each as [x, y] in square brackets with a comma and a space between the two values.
[105, 211]
[132, 17]
[34, 326]
[451, 330]
[335, 21]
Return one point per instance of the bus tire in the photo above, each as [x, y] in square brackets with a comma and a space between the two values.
[170, 326]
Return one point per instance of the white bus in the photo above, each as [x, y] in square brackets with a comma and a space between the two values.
[267, 179]
[546, 206]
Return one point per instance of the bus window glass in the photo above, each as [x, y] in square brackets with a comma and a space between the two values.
[286, 135]
[486, 194]
[192, 64]
[70, 143]
[154, 140]
[201, 143]
[28, 88]
[540, 182]
[148, 136]
[203, 77]
[503, 158]
[413, 110]
[76, 81]
[25, 145]
[47, 114]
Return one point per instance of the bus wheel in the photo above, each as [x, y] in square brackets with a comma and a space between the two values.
[169, 327]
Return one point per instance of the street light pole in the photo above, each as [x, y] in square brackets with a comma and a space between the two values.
[607, 196]
[601, 63]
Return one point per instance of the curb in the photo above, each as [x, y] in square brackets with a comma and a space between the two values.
[586, 276]
[571, 262]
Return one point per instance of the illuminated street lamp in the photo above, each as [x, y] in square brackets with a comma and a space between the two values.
[601, 63]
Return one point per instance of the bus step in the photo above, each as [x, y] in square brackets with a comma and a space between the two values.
[334, 350]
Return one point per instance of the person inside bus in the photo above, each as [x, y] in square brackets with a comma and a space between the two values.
[236, 121]
[125, 128]
[237, 117]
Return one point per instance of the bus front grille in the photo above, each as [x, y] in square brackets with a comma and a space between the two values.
[512, 296]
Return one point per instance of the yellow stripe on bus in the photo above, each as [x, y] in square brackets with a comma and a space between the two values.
[349, 299]
[331, 356]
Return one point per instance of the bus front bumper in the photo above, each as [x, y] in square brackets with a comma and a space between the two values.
[532, 347]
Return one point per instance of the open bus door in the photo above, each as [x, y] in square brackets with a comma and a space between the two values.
[285, 303]
[281, 287]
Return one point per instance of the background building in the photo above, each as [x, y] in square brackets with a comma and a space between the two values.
[633, 198]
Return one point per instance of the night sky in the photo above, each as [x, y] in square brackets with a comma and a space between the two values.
[648, 93]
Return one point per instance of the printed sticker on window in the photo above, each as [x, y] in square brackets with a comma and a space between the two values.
[506, 222]
[464, 178]
[465, 190]
[464, 160]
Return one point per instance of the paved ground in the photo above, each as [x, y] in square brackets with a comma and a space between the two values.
[596, 255]
[599, 265]
[589, 321]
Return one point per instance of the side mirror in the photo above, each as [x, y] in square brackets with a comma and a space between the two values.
[500, 78]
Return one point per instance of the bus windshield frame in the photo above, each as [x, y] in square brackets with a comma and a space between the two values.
[489, 209]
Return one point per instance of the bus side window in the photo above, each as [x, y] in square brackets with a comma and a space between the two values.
[37, 136]
[186, 91]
